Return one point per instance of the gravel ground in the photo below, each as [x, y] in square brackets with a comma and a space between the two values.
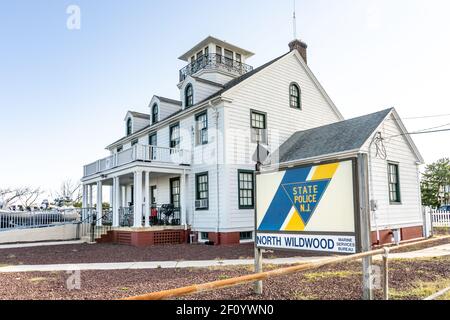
[90, 253]
[341, 282]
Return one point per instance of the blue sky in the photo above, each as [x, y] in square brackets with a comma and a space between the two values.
[64, 93]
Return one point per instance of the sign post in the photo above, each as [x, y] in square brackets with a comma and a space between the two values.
[258, 286]
[365, 225]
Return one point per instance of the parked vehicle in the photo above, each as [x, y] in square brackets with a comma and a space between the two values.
[445, 208]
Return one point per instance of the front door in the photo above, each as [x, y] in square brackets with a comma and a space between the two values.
[175, 192]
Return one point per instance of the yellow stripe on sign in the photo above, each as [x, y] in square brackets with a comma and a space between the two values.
[296, 223]
[325, 171]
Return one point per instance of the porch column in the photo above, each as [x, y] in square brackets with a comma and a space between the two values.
[138, 199]
[99, 203]
[116, 201]
[147, 198]
[85, 202]
[183, 202]
[124, 196]
[90, 197]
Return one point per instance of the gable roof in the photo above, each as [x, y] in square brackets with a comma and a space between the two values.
[339, 137]
[212, 83]
[232, 83]
[139, 115]
[168, 100]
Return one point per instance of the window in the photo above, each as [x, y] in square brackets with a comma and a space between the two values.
[246, 187]
[238, 57]
[175, 136]
[228, 57]
[206, 51]
[201, 133]
[218, 54]
[201, 183]
[204, 235]
[152, 141]
[155, 113]
[199, 55]
[247, 235]
[119, 149]
[294, 96]
[175, 192]
[189, 96]
[258, 127]
[394, 183]
[192, 59]
[134, 142]
[129, 126]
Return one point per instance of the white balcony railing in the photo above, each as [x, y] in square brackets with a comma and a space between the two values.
[139, 153]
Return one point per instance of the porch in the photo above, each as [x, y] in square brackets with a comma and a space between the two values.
[146, 200]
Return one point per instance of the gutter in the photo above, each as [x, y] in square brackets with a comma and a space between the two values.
[330, 156]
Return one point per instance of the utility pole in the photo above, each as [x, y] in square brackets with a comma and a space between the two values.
[364, 218]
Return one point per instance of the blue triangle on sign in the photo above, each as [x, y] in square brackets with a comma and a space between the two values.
[305, 196]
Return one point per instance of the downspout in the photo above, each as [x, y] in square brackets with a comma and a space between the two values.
[216, 113]
[371, 195]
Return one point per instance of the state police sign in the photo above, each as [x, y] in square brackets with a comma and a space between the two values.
[310, 208]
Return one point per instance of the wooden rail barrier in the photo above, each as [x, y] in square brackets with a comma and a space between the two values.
[220, 284]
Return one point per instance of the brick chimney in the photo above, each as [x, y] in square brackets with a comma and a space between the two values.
[300, 46]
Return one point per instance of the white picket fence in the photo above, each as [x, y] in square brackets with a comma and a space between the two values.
[440, 218]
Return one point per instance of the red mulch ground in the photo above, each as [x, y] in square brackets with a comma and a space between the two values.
[90, 253]
[338, 282]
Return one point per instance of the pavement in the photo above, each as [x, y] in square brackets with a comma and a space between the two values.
[438, 251]
[39, 244]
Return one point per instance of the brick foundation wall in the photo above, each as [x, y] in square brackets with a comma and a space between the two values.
[406, 234]
[146, 238]
[224, 238]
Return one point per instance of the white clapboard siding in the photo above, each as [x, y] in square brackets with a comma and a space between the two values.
[267, 91]
[409, 212]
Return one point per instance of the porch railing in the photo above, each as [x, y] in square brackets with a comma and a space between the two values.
[139, 152]
[159, 215]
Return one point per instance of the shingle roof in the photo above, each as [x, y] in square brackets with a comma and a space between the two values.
[337, 137]
[225, 88]
[139, 115]
[168, 100]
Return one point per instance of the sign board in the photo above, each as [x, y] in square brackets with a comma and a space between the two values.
[309, 208]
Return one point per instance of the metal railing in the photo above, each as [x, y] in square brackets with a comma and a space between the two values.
[10, 220]
[93, 225]
[139, 152]
[159, 215]
[217, 62]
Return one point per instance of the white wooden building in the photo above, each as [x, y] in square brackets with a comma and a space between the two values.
[196, 153]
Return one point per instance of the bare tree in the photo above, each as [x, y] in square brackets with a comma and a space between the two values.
[69, 193]
[10, 196]
[30, 196]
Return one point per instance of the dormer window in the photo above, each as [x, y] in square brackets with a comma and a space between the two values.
[189, 96]
[129, 126]
[155, 113]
